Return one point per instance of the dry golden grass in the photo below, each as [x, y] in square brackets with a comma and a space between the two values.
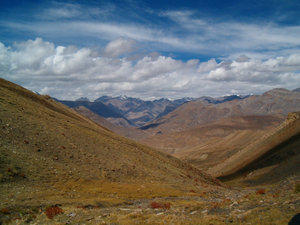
[49, 154]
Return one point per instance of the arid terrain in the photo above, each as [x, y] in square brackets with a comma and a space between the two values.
[59, 167]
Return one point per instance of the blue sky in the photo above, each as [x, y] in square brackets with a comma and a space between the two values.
[150, 49]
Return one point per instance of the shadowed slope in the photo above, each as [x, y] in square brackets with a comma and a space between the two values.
[279, 148]
[128, 132]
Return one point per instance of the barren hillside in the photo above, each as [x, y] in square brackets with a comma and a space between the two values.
[45, 144]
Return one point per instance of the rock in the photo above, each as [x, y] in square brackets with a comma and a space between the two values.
[204, 211]
[192, 213]
[124, 209]
[72, 214]
[233, 204]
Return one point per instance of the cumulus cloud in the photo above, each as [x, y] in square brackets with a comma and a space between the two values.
[68, 72]
[119, 47]
[280, 70]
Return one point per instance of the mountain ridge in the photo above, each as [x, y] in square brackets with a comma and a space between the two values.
[194, 113]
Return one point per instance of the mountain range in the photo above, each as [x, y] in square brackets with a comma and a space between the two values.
[206, 131]
[126, 111]
[59, 165]
[204, 134]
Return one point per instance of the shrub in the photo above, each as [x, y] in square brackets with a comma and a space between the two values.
[5, 211]
[157, 205]
[261, 192]
[53, 211]
[22, 175]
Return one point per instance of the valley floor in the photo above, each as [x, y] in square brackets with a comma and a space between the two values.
[115, 203]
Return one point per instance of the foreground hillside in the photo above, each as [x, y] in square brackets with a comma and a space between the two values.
[40, 130]
[57, 167]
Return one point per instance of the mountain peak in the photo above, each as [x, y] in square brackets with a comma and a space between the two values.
[278, 91]
[296, 90]
[82, 99]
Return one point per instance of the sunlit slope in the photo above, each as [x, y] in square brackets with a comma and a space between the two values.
[277, 150]
[47, 140]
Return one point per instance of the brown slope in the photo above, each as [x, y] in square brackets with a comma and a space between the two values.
[279, 148]
[45, 144]
[211, 143]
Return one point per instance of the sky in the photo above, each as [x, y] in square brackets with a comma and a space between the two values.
[150, 49]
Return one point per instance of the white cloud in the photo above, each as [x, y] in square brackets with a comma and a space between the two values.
[207, 66]
[67, 72]
[148, 67]
[187, 33]
[60, 11]
[280, 70]
[119, 47]
[185, 19]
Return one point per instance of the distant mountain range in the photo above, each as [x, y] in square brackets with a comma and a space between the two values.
[205, 134]
[204, 110]
[126, 111]
[102, 110]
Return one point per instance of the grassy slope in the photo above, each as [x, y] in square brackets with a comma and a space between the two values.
[47, 147]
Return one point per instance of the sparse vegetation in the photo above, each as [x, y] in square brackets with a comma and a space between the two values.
[158, 205]
[261, 191]
[53, 211]
[297, 188]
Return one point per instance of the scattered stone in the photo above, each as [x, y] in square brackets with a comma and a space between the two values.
[72, 214]
[124, 209]
[233, 204]
[204, 211]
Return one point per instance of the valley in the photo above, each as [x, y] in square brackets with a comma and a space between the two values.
[233, 161]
